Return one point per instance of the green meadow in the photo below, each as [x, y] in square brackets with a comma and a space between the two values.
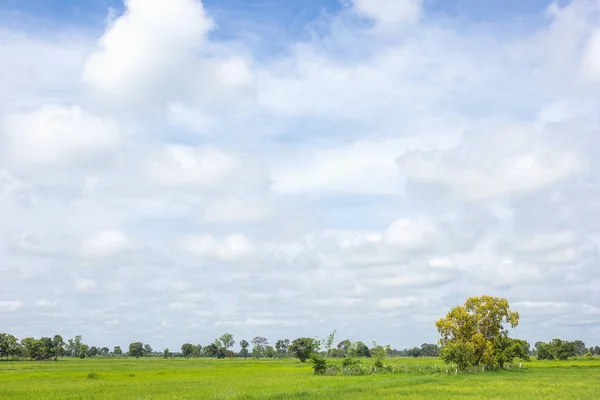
[154, 378]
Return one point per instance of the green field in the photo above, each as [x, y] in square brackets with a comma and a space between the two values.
[156, 378]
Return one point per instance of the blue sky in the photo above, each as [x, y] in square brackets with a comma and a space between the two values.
[286, 14]
[289, 168]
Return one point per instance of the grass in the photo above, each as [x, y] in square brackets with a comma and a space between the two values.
[285, 379]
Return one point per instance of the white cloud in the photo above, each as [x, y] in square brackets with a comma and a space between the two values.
[10, 306]
[412, 234]
[105, 243]
[231, 248]
[396, 302]
[361, 167]
[85, 284]
[230, 210]
[55, 134]
[45, 303]
[187, 166]
[591, 58]
[487, 166]
[142, 52]
[373, 199]
[257, 322]
[390, 12]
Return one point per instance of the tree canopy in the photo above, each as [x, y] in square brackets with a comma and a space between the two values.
[475, 333]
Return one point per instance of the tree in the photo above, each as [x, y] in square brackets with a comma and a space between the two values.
[104, 351]
[8, 345]
[430, 350]
[58, 345]
[302, 348]
[414, 352]
[507, 349]
[379, 352]
[544, 352]
[117, 351]
[362, 350]
[73, 348]
[83, 351]
[282, 347]
[476, 327]
[188, 350]
[563, 349]
[166, 353]
[269, 352]
[460, 353]
[197, 351]
[211, 350]
[244, 352]
[226, 341]
[92, 352]
[344, 346]
[260, 343]
[147, 350]
[329, 342]
[580, 346]
[136, 349]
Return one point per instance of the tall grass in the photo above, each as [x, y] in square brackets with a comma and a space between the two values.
[289, 379]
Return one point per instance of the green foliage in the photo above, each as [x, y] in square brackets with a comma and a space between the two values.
[226, 341]
[475, 333]
[9, 345]
[269, 352]
[557, 349]
[244, 352]
[329, 342]
[282, 347]
[379, 353]
[350, 362]
[319, 363]
[136, 349]
[83, 351]
[302, 348]
[460, 353]
[117, 351]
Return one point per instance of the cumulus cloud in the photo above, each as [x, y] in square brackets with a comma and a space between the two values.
[232, 209]
[484, 166]
[10, 306]
[235, 247]
[142, 51]
[105, 243]
[321, 182]
[180, 165]
[591, 58]
[396, 303]
[386, 12]
[57, 135]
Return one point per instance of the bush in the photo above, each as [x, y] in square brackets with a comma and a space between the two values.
[589, 356]
[350, 362]
[319, 364]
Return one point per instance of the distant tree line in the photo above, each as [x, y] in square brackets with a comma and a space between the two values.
[471, 335]
[558, 349]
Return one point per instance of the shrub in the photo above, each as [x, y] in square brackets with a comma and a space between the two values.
[350, 362]
[319, 364]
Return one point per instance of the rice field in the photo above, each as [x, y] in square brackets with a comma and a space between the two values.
[154, 378]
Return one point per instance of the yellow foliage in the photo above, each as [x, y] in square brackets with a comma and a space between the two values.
[479, 322]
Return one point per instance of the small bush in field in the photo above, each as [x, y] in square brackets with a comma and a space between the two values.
[319, 364]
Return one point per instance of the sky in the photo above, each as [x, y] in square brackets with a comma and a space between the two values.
[174, 170]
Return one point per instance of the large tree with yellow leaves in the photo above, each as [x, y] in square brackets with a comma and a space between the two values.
[477, 334]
